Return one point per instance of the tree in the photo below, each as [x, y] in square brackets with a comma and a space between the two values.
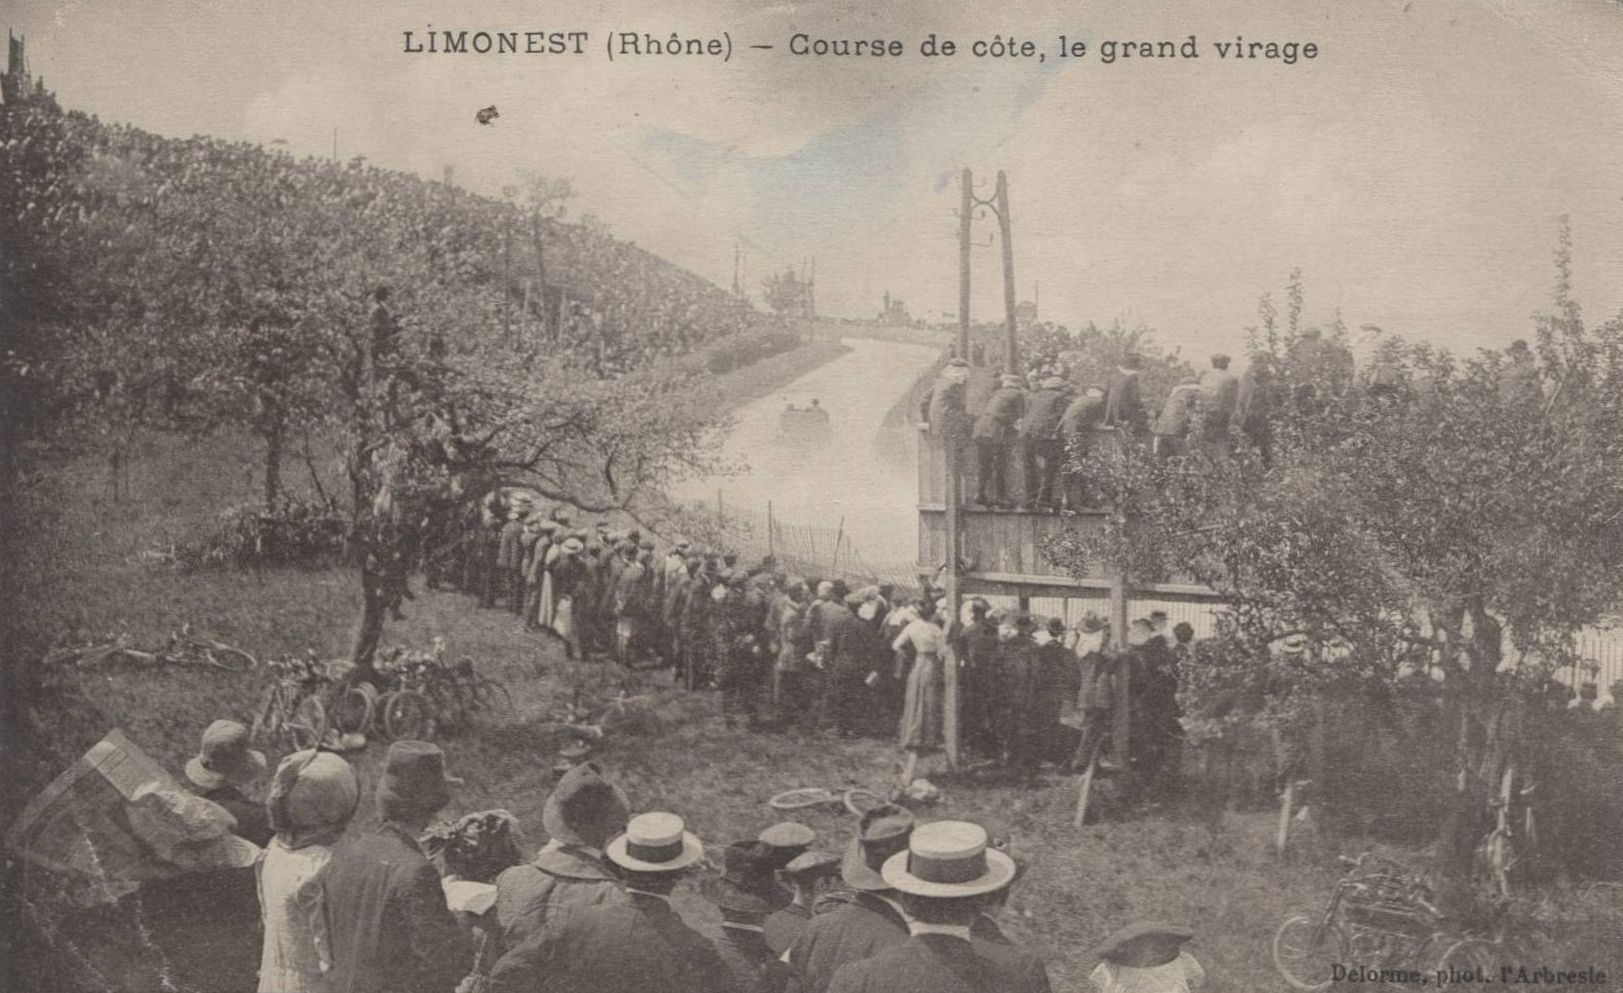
[1417, 514]
[785, 293]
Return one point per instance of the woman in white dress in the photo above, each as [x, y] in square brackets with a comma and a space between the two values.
[312, 798]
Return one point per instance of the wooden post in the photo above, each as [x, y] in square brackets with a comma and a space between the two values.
[1084, 789]
[1013, 360]
[770, 546]
[1286, 802]
[966, 208]
[949, 678]
[839, 535]
[1121, 735]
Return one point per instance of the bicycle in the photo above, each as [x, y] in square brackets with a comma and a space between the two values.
[1478, 958]
[856, 800]
[188, 648]
[1379, 916]
[428, 696]
[292, 716]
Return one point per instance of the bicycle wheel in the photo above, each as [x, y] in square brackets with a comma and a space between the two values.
[1304, 948]
[1468, 959]
[800, 799]
[267, 720]
[228, 658]
[308, 724]
[406, 714]
[859, 801]
[351, 711]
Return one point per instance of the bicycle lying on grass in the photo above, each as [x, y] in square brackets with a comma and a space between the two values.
[1379, 916]
[184, 647]
[856, 800]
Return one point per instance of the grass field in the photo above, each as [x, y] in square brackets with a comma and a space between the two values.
[1210, 868]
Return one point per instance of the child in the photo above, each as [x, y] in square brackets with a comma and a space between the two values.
[1147, 957]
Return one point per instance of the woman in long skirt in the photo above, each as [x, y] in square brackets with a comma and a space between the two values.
[923, 702]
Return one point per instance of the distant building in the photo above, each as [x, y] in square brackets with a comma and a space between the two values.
[15, 82]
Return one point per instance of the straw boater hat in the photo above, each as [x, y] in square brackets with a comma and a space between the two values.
[1140, 632]
[747, 883]
[1145, 945]
[655, 842]
[948, 859]
[882, 833]
[225, 758]
[787, 840]
[573, 546]
[584, 809]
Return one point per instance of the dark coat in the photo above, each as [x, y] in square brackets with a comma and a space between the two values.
[944, 407]
[638, 944]
[1002, 414]
[750, 962]
[851, 933]
[784, 926]
[1082, 415]
[253, 822]
[386, 918]
[1219, 395]
[1124, 402]
[938, 963]
[556, 880]
[1043, 410]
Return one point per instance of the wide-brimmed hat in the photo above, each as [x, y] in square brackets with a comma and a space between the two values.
[1140, 632]
[1092, 623]
[1053, 383]
[573, 546]
[812, 865]
[747, 883]
[1010, 380]
[655, 842]
[414, 776]
[948, 859]
[787, 840]
[224, 757]
[882, 832]
[584, 808]
[1145, 944]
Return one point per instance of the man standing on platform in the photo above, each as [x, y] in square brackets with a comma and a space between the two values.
[995, 430]
[1124, 400]
[1042, 442]
[1219, 395]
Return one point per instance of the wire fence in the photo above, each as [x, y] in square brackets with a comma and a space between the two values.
[810, 549]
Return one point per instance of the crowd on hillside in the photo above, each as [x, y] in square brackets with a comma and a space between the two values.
[812, 651]
[608, 308]
[315, 905]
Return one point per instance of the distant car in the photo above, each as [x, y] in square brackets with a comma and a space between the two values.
[804, 425]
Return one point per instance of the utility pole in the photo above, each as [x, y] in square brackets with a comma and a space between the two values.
[738, 287]
[335, 144]
[507, 276]
[966, 208]
[1008, 272]
[811, 290]
[540, 269]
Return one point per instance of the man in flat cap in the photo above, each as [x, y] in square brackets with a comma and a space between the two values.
[872, 921]
[746, 892]
[387, 925]
[1041, 441]
[1219, 396]
[807, 875]
[994, 433]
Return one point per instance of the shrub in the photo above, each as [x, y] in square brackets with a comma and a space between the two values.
[295, 532]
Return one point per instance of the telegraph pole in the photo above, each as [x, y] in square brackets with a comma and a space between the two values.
[966, 207]
[1008, 271]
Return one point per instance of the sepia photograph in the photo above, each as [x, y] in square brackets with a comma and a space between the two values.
[763, 496]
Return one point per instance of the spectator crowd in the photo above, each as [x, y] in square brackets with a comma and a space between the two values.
[412, 907]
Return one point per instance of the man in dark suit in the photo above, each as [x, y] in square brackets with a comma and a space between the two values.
[384, 910]
[872, 921]
[1124, 399]
[745, 893]
[944, 880]
[1219, 394]
[1041, 441]
[637, 944]
[994, 432]
[1076, 424]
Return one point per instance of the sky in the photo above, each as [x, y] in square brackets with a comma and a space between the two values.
[1415, 170]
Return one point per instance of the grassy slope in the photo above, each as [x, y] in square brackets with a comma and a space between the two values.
[1211, 871]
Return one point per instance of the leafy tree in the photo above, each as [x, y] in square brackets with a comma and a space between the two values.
[785, 292]
[1417, 513]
